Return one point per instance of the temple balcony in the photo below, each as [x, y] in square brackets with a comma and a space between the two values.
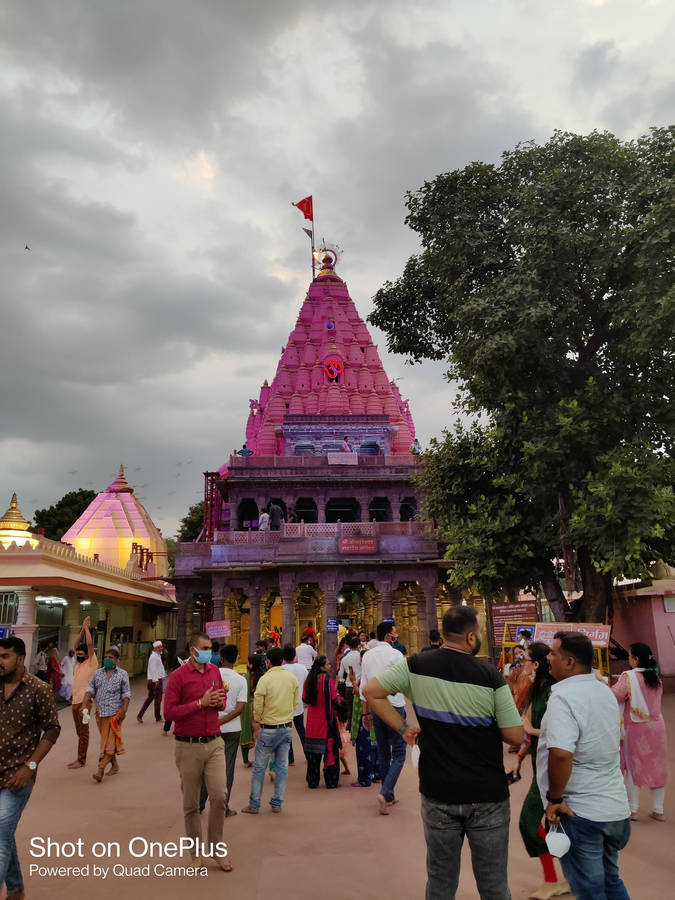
[313, 543]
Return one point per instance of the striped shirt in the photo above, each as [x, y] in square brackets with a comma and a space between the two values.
[461, 703]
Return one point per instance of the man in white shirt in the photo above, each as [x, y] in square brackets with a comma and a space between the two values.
[390, 743]
[578, 771]
[350, 660]
[300, 673]
[156, 676]
[305, 653]
[229, 719]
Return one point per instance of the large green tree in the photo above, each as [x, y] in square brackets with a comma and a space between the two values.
[192, 523]
[58, 518]
[547, 282]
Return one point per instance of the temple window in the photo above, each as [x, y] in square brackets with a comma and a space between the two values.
[379, 510]
[343, 509]
[306, 510]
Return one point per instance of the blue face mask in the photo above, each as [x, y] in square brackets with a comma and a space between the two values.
[203, 657]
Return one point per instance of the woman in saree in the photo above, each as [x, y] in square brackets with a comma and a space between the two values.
[536, 666]
[644, 757]
[322, 732]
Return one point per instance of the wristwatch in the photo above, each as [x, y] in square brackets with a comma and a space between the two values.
[553, 799]
[402, 730]
[32, 766]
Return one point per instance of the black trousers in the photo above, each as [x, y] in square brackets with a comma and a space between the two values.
[331, 774]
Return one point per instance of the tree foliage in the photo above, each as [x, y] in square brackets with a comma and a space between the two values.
[191, 524]
[58, 518]
[547, 282]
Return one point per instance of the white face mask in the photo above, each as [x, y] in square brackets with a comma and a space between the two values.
[557, 841]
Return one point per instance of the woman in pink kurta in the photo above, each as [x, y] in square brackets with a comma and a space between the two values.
[643, 745]
[322, 731]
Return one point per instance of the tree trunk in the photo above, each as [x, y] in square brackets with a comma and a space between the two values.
[597, 590]
[555, 597]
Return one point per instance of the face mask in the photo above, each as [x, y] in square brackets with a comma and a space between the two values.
[557, 841]
[203, 657]
[108, 663]
[80, 659]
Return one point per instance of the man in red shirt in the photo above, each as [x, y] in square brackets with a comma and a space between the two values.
[194, 696]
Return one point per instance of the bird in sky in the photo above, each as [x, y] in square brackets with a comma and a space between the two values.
[26, 247]
[73, 472]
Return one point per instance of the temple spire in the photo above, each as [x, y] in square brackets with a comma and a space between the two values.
[120, 485]
[13, 518]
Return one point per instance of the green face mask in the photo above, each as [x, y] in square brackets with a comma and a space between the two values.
[108, 663]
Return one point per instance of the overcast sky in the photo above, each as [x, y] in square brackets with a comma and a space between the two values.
[150, 152]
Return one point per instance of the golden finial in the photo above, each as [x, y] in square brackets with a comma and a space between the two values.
[13, 518]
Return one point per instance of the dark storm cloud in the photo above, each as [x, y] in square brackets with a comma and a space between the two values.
[150, 152]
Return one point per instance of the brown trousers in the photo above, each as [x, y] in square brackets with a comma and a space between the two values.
[196, 762]
[82, 733]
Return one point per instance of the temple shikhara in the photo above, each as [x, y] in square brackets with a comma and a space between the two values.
[330, 442]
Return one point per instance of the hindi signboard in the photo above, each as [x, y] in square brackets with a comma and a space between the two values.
[222, 628]
[331, 624]
[357, 545]
[521, 611]
[598, 634]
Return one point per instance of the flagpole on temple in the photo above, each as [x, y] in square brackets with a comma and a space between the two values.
[306, 207]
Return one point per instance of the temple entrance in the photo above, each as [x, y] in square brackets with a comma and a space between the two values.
[343, 509]
[247, 514]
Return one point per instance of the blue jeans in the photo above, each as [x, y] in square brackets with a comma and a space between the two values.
[390, 754]
[486, 825]
[591, 865]
[11, 806]
[272, 743]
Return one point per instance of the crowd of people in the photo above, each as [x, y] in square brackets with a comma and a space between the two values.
[592, 748]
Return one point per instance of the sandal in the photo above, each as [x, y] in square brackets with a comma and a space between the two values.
[512, 777]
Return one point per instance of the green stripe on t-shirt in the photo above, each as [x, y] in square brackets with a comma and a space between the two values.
[460, 698]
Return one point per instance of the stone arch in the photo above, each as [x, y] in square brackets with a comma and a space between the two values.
[247, 514]
[379, 509]
[343, 509]
[408, 509]
[306, 510]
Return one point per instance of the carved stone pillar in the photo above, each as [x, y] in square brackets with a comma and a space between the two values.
[254, 618]
[25, 627]
[329, 608]
[219, 592]
[320, 509]
[429, 589]
[387, 600]
[287, 591]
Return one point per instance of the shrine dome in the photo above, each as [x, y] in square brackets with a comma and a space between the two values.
[112, 523]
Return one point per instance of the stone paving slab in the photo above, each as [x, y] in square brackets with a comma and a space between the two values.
[325, 845]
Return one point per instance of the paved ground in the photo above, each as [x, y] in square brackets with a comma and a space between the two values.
[324, 844]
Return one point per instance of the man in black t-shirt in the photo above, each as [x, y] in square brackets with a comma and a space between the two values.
[465, 711]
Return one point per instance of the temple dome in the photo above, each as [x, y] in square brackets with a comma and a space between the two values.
[114, 520]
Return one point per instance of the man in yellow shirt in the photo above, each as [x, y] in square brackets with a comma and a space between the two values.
[274, 702]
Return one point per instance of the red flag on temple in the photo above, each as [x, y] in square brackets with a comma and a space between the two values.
[306, 208]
